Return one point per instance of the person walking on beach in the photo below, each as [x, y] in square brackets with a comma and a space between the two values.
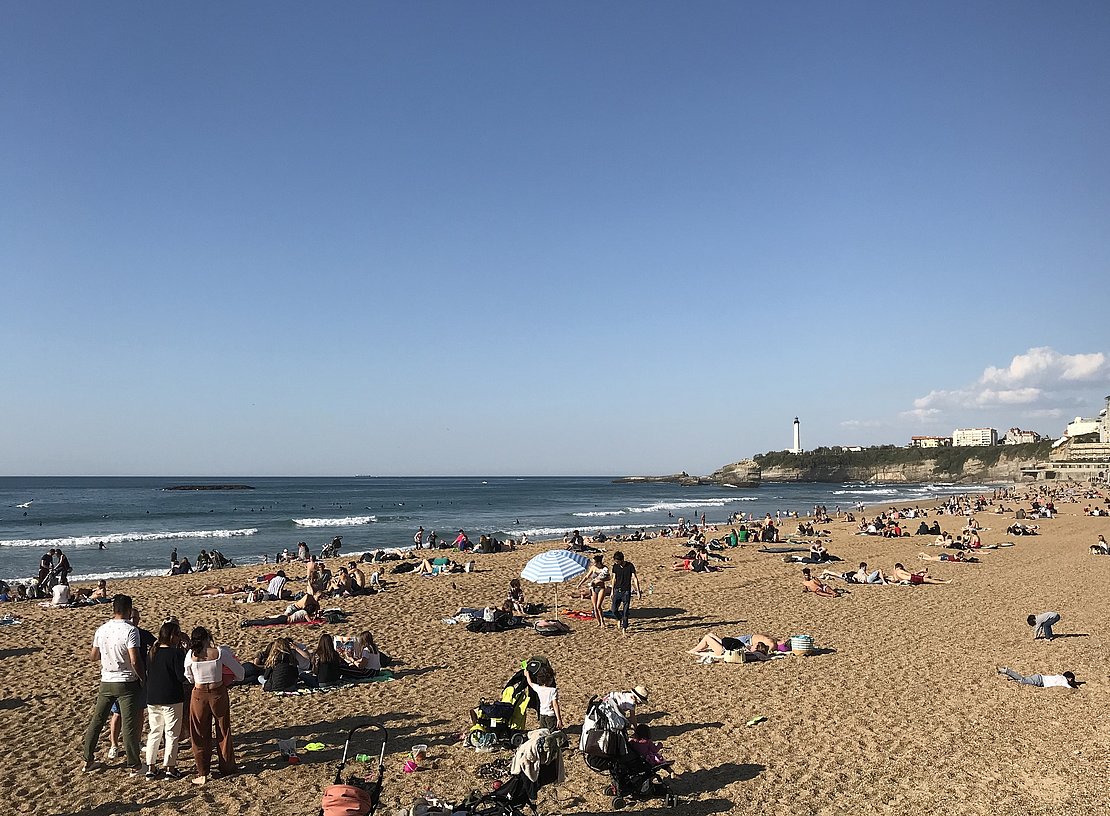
[598, 576]
[624, 581]
[1042, 624]
[210, 706]
[418, 539]
[116, 646]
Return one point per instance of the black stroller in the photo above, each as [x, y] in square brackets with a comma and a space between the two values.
[357, 796]
[605, 749]
[518, 791]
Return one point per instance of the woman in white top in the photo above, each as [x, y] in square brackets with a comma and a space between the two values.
[598, 576]
[210, 668]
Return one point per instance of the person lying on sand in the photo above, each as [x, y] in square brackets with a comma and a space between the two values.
[818, 588]
[954, 557]
[901, 574]
[711, 644]
[302, 610]
[216, 589]
[699, 563]
[438, 566]
[1066, 680]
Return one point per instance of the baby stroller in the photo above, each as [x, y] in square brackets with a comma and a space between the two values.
[358, 796]
[541, 757]
[331, 549]
[507, 719]
[605, 749]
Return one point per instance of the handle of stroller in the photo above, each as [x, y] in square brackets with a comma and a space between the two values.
[347, 747]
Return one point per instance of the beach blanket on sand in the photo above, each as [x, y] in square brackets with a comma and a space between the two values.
[383, 676]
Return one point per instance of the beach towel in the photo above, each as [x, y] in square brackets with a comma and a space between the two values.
[781, 550]
[383, 676]
[578, 615]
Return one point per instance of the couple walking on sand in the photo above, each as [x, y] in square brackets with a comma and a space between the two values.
[625, 580]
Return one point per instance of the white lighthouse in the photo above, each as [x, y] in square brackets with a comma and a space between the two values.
[797, 437]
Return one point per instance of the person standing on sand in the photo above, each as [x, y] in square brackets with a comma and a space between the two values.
[116, 646]
[63, 567]
[624, 580]
[210, 707]
[418, 539]
[598, 576]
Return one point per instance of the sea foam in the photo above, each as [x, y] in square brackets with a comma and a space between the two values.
[659, 507]
[349, 521]
[123, 538]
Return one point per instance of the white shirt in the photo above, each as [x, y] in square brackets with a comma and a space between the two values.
[277, 583]
[211, 671]
[547, 697]
[1055, 680]
[113, 639]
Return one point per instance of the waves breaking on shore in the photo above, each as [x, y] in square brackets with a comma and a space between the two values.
[348, 521]
[123, 538]
[672, 505]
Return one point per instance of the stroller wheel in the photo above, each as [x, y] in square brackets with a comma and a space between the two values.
[618, 802]
[518, 740]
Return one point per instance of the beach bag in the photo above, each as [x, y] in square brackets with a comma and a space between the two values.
[345, 800]
[802, 645]
[551, 627]
[599, 742]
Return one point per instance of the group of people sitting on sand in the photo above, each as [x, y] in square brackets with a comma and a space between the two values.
[286, 665]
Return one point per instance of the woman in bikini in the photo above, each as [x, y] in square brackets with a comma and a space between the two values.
[598, 578]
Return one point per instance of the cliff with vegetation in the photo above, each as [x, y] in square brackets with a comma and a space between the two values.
[888, 463]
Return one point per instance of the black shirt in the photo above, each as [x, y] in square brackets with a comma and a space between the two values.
[165, 676]
[622, 575]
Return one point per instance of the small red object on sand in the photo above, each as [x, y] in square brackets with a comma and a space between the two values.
[294, 760]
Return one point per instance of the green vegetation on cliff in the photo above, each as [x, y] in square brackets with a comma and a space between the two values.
[945, 460]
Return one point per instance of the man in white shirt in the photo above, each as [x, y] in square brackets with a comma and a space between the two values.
[116, 646]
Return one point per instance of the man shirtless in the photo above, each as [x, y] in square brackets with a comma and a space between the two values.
[901, 574]
[818, 588]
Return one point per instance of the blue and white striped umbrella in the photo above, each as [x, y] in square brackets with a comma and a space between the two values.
[554, 567]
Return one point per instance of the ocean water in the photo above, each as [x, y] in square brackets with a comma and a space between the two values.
[140, 523]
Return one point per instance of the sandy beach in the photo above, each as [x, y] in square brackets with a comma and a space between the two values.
[903, 714]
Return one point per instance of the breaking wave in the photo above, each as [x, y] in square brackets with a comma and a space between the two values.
[123, 538]
[349, 521]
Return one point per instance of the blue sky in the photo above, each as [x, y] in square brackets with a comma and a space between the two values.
[631, 237]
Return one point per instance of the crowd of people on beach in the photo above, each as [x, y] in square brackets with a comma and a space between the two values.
[178, 683]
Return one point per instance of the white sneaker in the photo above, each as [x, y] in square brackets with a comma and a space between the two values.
[113, 752]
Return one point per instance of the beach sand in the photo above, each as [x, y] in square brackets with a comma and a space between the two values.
[904, 715]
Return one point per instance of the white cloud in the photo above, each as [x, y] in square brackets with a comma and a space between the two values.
[861, 423]
[1040, 380]
[1045, 367]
